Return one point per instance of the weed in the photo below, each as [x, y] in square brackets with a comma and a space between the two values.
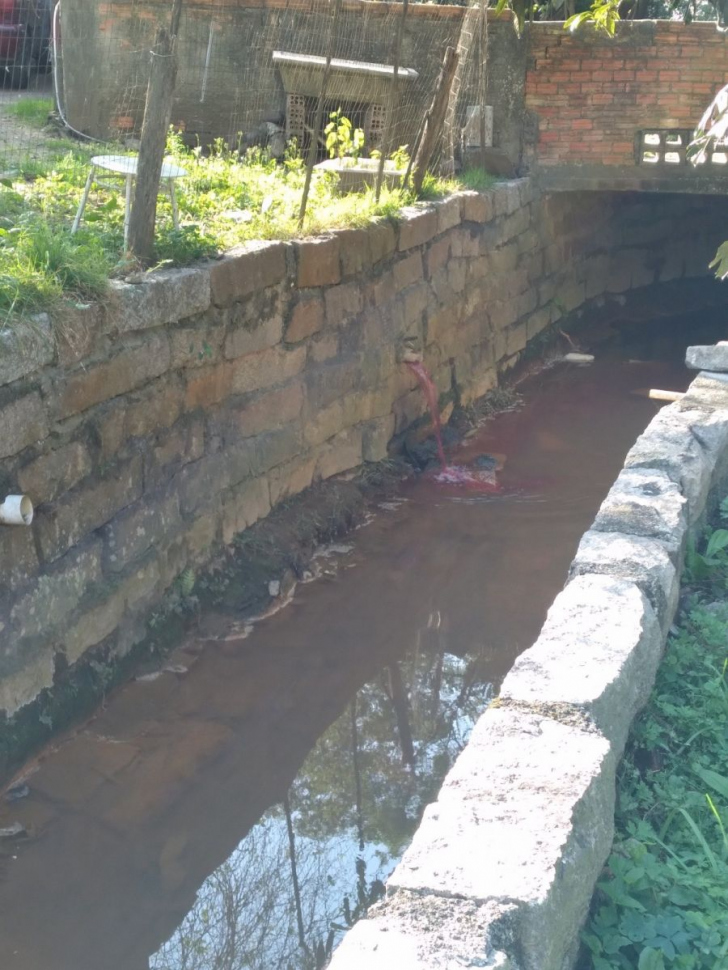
[477, 179]
[31, 111]
[662, 902]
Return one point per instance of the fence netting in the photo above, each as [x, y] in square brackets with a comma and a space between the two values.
[249, 73]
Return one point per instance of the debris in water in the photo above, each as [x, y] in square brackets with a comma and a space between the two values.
[334, 549]
[175, 669]
[16, 792]
[579, 358]
[14, 831]
[274, 588]
[148, 678]
[655, 394]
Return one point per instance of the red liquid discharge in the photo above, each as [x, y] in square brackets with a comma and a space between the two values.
[484, 481]
[430, 392]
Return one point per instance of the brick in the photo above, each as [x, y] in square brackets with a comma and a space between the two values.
[53, 474]
[417, 226]
[307, 318]
[23, 422]
[162, 297]
[64, 523]
[318, 261]
[247, 269]
[133, 366]
[272, 366]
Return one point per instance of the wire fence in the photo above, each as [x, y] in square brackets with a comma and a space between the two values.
[249, 73]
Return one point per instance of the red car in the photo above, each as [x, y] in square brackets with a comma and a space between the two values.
[25, 40]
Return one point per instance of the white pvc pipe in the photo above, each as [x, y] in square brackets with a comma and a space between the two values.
[16, 510]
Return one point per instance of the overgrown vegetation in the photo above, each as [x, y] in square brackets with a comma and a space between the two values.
[662, 903]
[32, 111]
[226, 198]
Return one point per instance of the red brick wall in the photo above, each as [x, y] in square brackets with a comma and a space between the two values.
[591, 94]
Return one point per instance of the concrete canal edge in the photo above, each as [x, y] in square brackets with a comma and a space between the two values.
[501, 871]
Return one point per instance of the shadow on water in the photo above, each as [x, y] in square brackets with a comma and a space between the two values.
[246, 806]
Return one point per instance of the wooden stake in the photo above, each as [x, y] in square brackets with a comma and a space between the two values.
[313, 148]
[386, 146]
[655, 394]
[157, 116]
[435, 118]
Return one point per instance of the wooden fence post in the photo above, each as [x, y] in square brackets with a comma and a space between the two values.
[157, 116]
[435, 118]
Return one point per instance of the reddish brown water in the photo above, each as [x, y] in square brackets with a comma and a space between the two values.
[236, 815]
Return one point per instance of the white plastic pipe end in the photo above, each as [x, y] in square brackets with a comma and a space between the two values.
[16, 510]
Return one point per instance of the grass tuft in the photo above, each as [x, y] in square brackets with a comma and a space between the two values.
[31, 111]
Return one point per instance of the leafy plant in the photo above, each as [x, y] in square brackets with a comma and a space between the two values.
[342, 139]
[603, 15]
[662, 902]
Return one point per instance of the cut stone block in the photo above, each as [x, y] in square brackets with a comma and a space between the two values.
[646, 502]
[598, 653]
[643, 561]
[713, 357]
[524, 818]
[684, 444]
[412, 932]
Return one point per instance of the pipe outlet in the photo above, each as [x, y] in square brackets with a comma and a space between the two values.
[16, 510]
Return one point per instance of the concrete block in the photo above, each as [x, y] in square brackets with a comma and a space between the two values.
[597, 654]
[518, 824]
[241, 341]
[243, 506]
[307, 318]
[56, 472]
[273, 366]
[340, 454]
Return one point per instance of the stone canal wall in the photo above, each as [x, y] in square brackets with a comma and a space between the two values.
[149, 431]
[502, 869]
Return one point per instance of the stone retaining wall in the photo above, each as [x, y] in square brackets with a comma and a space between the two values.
[151, 431]
[502, 869]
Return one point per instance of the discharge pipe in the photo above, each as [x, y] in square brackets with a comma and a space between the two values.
[16, 510]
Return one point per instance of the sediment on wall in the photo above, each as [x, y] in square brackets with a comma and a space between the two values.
[502, 869]
[151, 431]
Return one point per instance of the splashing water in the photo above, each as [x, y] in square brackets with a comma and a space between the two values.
[449, 474]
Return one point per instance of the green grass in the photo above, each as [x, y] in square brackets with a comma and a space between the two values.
[662, 902]
[225, 199]
[31, 111]
[477, 179]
